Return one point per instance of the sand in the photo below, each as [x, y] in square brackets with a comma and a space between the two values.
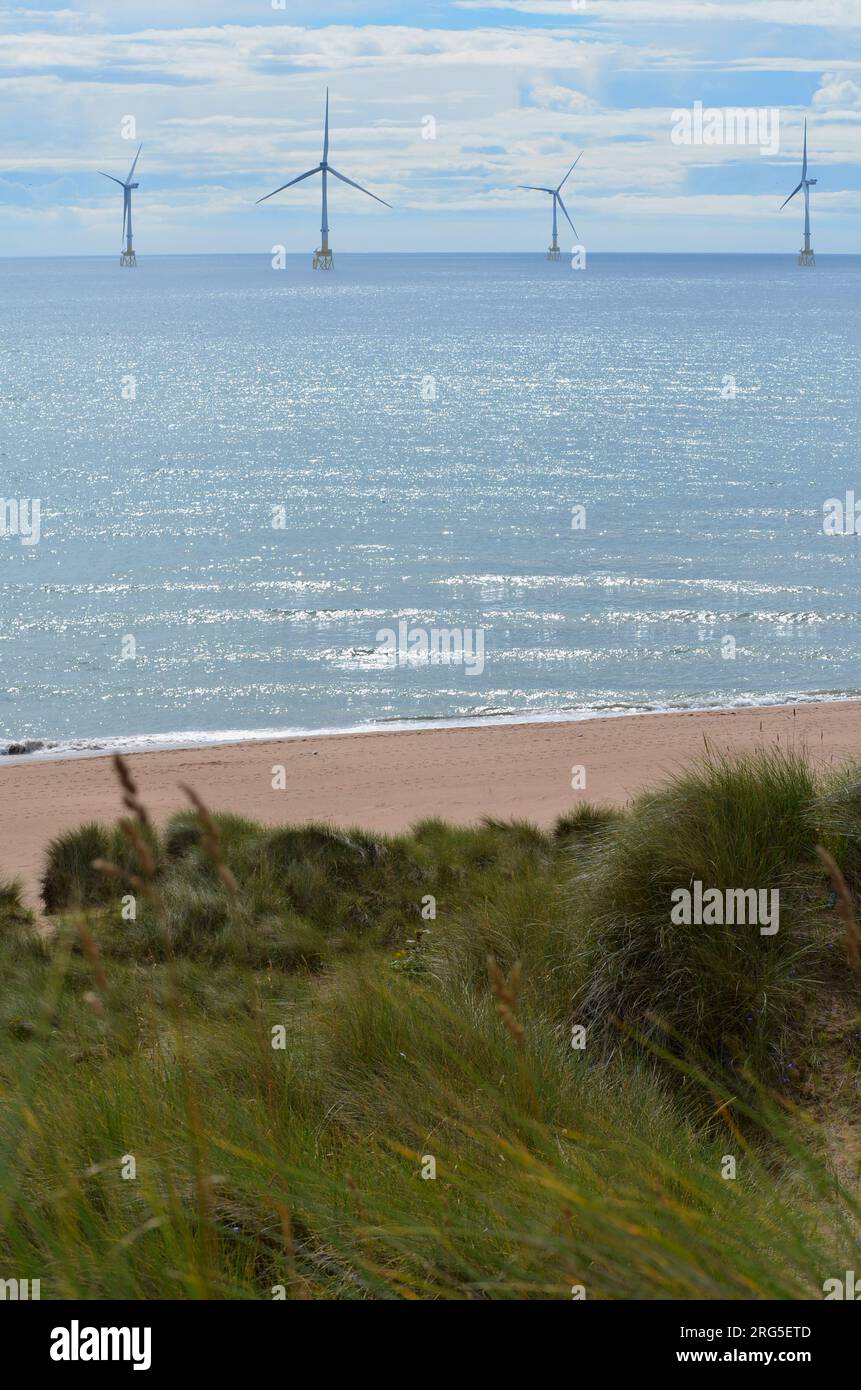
[386, 781]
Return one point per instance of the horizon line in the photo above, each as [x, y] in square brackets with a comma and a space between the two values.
[538, 255]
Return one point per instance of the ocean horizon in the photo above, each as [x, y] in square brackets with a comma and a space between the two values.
[616, 476]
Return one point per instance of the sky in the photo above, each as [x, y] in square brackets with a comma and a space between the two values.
[227, 98]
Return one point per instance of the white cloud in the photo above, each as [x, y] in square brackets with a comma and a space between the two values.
[554, 97]
[231, 54]
[837, 91]
[772, 63]
[825, 14]
[16, 17]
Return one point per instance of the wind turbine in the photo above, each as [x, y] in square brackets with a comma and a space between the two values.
[127, 256]
[323, 258]
[556, 195]
[805, 256]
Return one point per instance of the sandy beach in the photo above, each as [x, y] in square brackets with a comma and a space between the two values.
[386, 781]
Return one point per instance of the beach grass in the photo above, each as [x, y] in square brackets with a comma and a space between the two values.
[461, 1063]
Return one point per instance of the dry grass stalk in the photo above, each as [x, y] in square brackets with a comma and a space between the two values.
[93, 955]
[104, 866]
[351, 1183]
[724, 1113]
[212, 842]
[507, 994]
[131, 799]
[145, 856]
[131, 829]
[845, 909]
[295, 1283]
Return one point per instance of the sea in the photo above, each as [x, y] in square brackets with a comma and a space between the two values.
[225, 485]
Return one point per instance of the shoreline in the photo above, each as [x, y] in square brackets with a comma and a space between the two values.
[189, 740]
[385, 780]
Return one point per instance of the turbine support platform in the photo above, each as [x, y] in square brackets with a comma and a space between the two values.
[805, 255]
[323, 259]
[128, 257]
[553, 252]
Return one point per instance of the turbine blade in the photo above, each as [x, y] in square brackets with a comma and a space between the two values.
[112, 179]
[344, 179]
[306, 175]
[135, 165]
[125, 216]
[534, 188]
[565, 210]
[326, 130]
[804, 159]
[570, 171]
[791, 196]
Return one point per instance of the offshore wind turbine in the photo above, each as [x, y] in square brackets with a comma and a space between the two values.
[556, 195]
[323, 257]
[805, 255]
[127, 256]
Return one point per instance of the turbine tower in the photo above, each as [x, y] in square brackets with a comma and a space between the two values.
[805, 255]
[127, 256]
[556, 195]
[323, 259]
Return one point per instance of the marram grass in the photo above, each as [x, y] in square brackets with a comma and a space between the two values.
[324, 1064]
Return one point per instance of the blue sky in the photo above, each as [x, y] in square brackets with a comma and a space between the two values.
[227, 98]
